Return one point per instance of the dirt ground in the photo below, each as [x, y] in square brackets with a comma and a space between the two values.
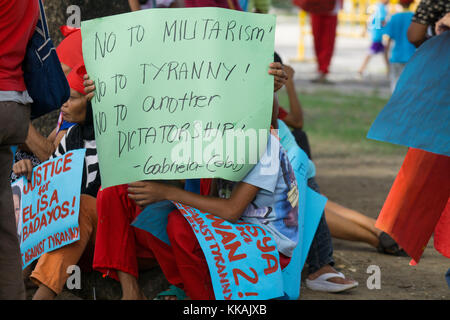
[362, 183]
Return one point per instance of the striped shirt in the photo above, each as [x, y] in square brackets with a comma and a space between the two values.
[74, 140]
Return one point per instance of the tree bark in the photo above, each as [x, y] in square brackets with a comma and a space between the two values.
[57, 16]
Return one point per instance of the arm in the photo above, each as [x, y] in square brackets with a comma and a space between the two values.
[39, 145]
[443, 24]
[294, 118]
[147, 192]
[417, 33]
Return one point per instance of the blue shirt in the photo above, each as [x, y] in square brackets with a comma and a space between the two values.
[397, 29]
[276, 203]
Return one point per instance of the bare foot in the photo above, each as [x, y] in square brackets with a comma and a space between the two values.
[130, 287]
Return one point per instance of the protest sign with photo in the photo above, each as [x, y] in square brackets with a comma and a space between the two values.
[50, 204]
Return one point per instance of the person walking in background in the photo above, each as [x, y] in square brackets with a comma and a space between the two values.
[376, 26]
[324, 26]
[396, 30]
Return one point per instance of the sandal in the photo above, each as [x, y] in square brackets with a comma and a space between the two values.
[322, 284]
[387, 245]
[172, 291]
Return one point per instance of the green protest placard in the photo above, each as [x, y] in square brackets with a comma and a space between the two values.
[180, 93]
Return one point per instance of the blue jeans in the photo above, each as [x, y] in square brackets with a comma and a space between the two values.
[321, 250]
[447, 277]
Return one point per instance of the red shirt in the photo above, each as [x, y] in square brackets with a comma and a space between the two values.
[282, 113]
[18, 20]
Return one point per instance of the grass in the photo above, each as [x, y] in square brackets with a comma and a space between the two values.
[342, 121]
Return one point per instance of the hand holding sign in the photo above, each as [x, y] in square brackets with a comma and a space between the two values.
[50, 202]
[197, 80]
[23, 168]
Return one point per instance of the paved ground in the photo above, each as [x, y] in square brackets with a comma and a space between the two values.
[348, 57]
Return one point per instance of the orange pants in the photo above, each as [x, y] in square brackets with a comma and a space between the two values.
[51, 269]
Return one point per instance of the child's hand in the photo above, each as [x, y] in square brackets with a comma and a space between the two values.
[289, 72]
[23, 168]
[280, 76]
[89, 87]
[443, 24]
[146, 192]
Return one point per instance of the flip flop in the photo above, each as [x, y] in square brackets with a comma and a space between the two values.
[321, 283]
[172, 291]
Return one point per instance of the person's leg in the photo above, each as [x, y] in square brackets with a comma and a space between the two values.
[50, 272]
[320, 256]
[189, 257]
[321, 250]
[302, 140]
[316, 28]
[115, 244]
[395, 71]
[14, 122]
[364, 64]
[324, 33]
[130, 287]
[328, 39]
[353, 216]
[386, 59]
[345, 229]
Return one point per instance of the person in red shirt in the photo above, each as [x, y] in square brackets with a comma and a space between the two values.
[18, 20]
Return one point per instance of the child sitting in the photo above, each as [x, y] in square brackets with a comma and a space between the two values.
[50, 273]
[264, 197]
[119, 245]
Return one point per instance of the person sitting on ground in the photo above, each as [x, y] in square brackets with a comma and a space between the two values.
[50, 273]
[250, 200]
[121, 248]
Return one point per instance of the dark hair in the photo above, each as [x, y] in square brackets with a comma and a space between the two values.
[277, 58]
[16, 191]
